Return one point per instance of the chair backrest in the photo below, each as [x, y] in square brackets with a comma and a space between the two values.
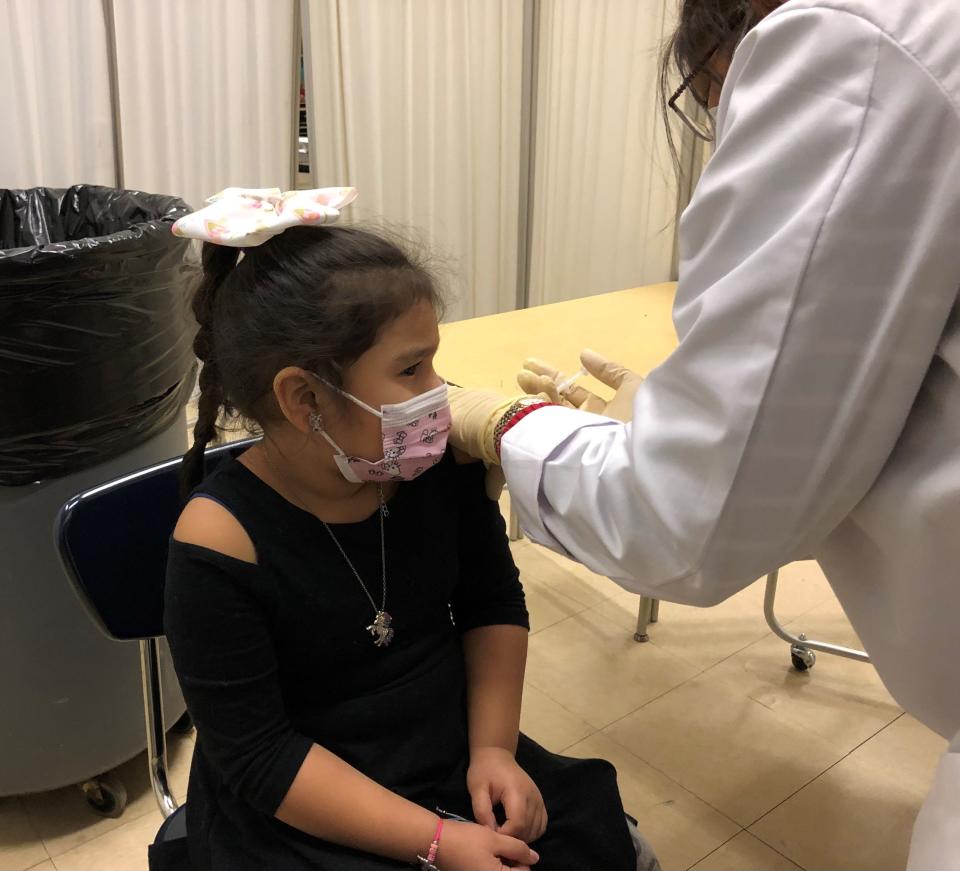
[113, 543]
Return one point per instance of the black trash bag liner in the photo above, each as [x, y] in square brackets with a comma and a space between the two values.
[95, 326]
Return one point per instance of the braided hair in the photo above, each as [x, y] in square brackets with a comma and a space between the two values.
[218, 261]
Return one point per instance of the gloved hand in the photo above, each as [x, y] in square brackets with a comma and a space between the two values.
[540, 377]
[476, 414]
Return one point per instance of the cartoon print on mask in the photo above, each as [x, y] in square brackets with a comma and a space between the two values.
[409, 446]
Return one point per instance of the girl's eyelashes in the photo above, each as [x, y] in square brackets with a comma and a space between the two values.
[410, 371]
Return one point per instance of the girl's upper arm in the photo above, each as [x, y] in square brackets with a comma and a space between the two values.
[219, 612]
[209, 524]
[489, 592]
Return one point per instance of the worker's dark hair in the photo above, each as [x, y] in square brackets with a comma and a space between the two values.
[314, 297]
[703, 25]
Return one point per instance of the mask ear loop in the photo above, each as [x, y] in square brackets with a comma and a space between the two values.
[356, 401]
[316, 418]
[349, 396]
[316, 424]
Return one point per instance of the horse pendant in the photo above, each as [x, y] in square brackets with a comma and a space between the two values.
[380, 629]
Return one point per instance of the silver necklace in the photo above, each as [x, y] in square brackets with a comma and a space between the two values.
[381, 628]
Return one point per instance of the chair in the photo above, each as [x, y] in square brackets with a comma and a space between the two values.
[113, 544]
[803, 650]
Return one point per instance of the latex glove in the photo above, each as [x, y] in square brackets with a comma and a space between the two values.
[476, 414]
[493, 778]
[540, 377]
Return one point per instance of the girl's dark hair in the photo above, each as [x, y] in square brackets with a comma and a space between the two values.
[703, 25]
[314, 297]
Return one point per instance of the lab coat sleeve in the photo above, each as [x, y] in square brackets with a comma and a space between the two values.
[809, 306]
[935, 844]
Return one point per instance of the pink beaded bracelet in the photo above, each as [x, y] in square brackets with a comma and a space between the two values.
[429, 864]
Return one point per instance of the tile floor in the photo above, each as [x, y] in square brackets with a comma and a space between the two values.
[730, 760]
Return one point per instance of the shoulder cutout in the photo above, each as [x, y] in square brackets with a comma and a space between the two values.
[208, 524]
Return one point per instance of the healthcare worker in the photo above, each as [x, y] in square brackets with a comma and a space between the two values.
[813, 403]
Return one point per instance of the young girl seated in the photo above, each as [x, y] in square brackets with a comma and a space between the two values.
[346, 620]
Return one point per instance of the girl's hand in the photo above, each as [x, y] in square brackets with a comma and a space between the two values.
[469, 847]
[495, 778]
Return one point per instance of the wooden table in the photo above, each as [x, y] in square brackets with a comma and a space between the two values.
[633, 327]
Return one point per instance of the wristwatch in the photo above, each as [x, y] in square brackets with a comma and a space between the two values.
[516, 412]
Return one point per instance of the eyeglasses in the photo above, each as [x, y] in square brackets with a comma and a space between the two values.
[702, 125]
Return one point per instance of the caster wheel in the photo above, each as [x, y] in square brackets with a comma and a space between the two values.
[641, 638]
[802, 658]
[183, 726]
[105, 796]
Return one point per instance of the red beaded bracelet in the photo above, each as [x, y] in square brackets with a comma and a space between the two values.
[514, 419]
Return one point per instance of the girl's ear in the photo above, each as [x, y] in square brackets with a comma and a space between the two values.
[299, 395]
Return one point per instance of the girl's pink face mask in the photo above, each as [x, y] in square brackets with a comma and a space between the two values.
[414, 438]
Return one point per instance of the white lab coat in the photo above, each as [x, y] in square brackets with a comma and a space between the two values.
[813, 404]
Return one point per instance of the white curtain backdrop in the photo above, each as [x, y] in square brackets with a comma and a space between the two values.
[206, 94]
[54, 94]
[417, 104]
[605, 195]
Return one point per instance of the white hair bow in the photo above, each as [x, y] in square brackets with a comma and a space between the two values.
[246, 217]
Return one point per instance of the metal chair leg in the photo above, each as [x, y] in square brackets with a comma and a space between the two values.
[801, 647]
[655, 611]
[645, 616]
[153, 717]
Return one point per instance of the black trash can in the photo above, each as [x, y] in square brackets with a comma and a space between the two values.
[96, 368]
